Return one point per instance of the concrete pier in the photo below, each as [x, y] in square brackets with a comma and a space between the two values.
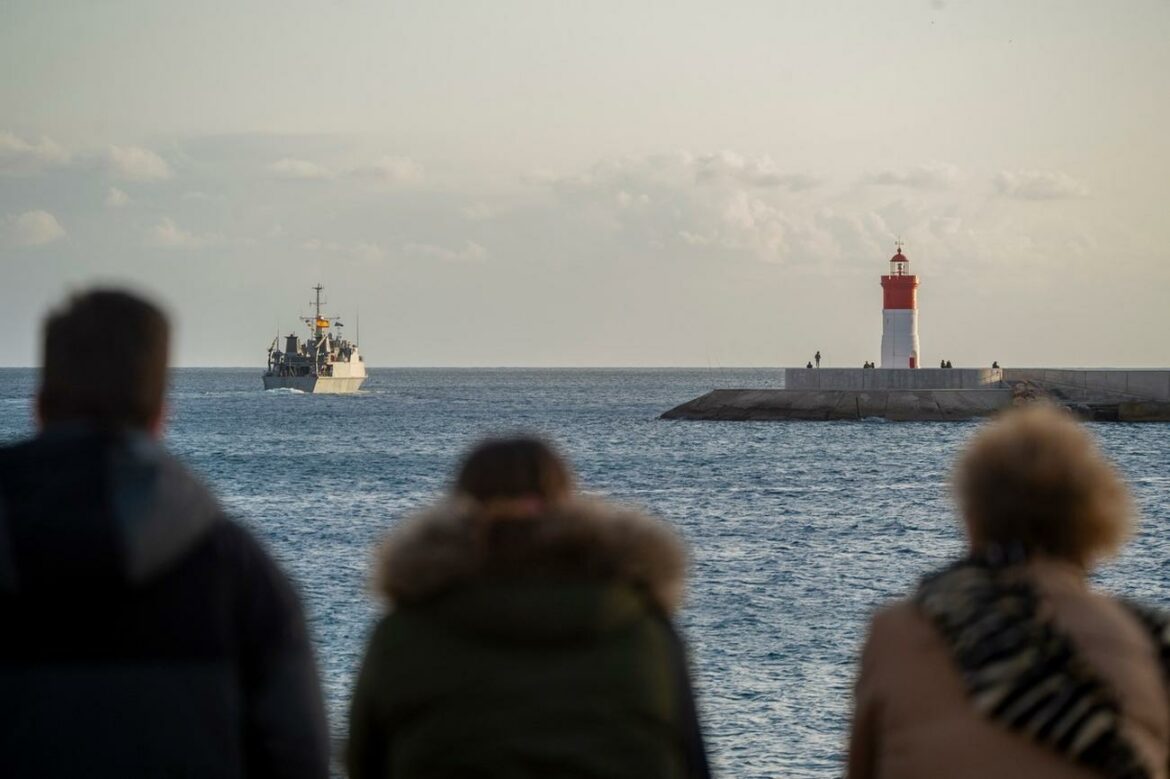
[939, 394]
[1141, 384]
[891, 379]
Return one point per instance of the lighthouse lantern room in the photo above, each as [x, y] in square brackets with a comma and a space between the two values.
[900, 314]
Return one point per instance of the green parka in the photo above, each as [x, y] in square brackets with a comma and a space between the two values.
[538, 646]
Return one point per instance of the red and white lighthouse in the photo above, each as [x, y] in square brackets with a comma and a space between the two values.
[900, 314]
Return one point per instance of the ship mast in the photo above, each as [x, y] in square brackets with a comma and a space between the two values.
[319, 332]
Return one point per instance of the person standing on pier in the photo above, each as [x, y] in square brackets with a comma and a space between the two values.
[817, 357]
[145, 633]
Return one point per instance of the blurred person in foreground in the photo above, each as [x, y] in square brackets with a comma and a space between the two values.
[144, 633]
[529, 636]
[1006, 663]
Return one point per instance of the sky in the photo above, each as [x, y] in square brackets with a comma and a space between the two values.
[595, 183]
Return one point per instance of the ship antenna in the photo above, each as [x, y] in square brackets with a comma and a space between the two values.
[358, 335]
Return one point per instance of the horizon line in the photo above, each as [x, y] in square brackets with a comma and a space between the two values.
[657, 367]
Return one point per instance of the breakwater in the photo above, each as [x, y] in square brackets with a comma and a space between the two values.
[938, 394]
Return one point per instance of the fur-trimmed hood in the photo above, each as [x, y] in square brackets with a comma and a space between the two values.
[457, 541]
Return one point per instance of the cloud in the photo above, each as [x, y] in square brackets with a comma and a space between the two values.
[636, 208]
[479, 212]
[633, 174]
[35, 228]
[291, 168]
[469, 252]
[725, 170]
[1039, 185]
[930, 175]
[391, 170]
[168, 235]
[21, 157]
[627, 200]
[134, 163]
[793, 182]
[116, 198]
[363, 251]
[719, 205]
[750, 171]
[694, 239]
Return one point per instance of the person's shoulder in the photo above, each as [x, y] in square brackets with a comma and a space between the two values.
[896, 614]
[898, 624]
[1118, 620]
[14, 450]
[237, 548]
[395, 637]
[227, 537]
[232, 533]
[267, 598]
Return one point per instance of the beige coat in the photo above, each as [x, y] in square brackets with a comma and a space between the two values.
[912, 717]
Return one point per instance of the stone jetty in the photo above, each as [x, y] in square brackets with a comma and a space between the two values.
[939, 394]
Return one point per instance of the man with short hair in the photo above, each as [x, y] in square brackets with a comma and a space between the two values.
[144, 632]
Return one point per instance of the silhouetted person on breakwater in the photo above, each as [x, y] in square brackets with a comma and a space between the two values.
[817, 357]
[529, 635]
[144, 633]
[1006, 663]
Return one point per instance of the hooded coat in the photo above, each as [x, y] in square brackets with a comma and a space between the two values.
[144, 633]
[527, 647]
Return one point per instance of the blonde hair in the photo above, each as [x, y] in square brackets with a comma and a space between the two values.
[1035, 480]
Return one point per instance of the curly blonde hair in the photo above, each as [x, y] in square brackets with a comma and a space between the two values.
[1035, 479]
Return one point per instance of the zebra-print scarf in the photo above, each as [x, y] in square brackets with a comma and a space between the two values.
[1023, 673]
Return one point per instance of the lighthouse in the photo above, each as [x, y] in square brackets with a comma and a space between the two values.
[900, 314]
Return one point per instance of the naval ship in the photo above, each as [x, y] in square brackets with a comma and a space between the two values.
[324, 362]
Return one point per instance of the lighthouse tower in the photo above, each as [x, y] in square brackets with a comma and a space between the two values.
[900, 314]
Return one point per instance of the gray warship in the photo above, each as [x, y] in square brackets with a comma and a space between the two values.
[323, 363]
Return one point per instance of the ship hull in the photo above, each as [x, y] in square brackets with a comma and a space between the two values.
[318, 385]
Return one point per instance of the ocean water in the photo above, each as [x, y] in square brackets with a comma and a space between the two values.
[797, 530]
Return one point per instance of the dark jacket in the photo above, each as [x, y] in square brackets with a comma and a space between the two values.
[527, 647]
[144, 633]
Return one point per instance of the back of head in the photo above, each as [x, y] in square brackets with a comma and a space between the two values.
[1035, 480]
[105, 361]
[511, 468]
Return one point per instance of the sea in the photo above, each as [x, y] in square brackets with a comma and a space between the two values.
[797, 530]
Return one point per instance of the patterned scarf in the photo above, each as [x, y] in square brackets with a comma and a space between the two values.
[1023, 673]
